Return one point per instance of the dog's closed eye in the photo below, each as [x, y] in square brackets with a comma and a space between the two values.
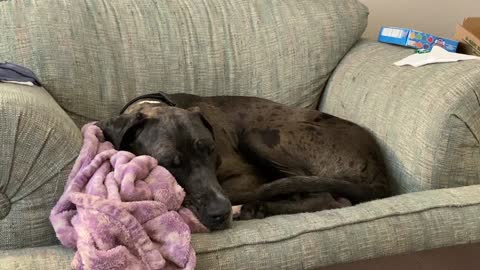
[176, 161]
[170, 159]
[205, 146]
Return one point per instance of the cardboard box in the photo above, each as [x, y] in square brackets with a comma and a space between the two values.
[469, 36]
[415, 39]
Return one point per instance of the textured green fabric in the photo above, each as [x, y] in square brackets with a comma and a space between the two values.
[426, 119]
[43, 258]
[406, 223]
[38, 144]
[95, 55]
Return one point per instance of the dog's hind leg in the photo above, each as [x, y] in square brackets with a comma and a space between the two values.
[354, 192]
[302, 157]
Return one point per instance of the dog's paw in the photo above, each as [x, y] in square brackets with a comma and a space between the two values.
[251, 211]
[236, 210]
[342, 202]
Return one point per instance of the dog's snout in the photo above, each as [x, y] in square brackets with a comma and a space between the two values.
[219, 210]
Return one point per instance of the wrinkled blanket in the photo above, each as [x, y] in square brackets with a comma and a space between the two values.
[121, 211]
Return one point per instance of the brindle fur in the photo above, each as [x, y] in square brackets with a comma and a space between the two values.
[271, 158]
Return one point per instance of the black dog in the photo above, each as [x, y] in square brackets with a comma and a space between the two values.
[270, 158]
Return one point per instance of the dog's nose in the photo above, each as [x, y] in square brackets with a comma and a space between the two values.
[219, 209]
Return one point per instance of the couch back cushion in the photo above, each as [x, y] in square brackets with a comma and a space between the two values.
[93, 56]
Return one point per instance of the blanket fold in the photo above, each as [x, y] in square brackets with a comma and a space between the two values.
[121, 211]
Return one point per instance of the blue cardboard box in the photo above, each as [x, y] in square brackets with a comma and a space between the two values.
[415, 39]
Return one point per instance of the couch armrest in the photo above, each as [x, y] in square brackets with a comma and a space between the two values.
[38, 145]
[426, 119]
[397, 225]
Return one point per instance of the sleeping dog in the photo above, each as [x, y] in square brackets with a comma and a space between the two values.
[269, 158]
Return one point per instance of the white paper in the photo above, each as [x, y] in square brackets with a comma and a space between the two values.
[436, 55]
[15, 82]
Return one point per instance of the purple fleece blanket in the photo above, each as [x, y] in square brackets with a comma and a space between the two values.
[121, 211]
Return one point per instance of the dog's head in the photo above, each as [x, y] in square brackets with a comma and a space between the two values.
[183, 142]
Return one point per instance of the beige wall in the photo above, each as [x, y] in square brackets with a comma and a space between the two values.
[437, 17]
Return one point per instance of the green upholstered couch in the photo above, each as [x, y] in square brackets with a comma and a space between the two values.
[94, 55]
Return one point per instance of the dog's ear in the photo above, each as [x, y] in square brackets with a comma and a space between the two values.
[203, 118]
[207, 124]
[121, 130]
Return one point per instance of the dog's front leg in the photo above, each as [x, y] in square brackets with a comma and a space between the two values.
[295, 204]
[239, 188]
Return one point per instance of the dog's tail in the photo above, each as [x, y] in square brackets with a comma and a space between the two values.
[355, 192]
